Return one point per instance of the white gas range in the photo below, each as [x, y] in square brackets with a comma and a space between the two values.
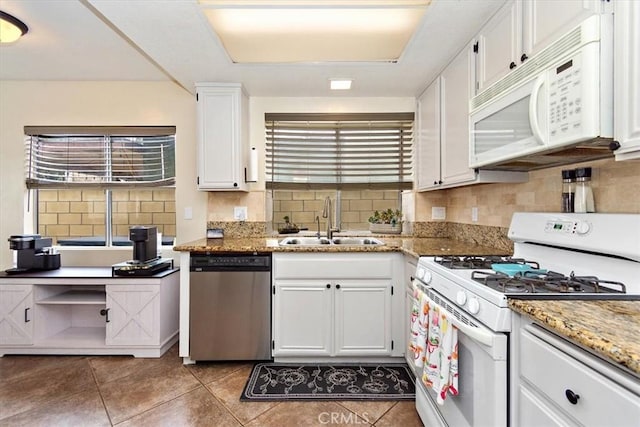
[556, 256]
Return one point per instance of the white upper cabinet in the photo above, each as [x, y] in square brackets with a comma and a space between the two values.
[428, 142]
[520, 30]
[499, 45]
[454, 137]
[627, 79]
[222, 116]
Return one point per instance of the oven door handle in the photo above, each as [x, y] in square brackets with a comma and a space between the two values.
[473, 332]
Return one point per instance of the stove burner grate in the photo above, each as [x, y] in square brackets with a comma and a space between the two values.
[546, 282]
[474, 262]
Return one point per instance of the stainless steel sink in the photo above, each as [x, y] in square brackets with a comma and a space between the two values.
[305, 241]
[323, 241]
[356, 241]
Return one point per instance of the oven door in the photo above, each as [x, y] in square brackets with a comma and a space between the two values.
[482, 380]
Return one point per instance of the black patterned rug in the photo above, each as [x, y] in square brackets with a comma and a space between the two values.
[279, 381]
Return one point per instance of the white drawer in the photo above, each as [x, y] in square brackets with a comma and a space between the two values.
[555, 374]
[333, 266]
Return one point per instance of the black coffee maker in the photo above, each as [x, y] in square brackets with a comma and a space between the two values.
[146, 260]
[34, 253]
[145, 243]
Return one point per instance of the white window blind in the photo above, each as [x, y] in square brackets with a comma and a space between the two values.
[60, 157]
[339, 151]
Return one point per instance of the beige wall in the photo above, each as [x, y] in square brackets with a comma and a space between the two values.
[94, 103]
[616, 189]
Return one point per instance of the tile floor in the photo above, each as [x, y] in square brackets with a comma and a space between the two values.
[125, 391]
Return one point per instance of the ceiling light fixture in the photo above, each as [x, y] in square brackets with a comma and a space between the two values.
[11, 28]
[313, 31]
[340, 84]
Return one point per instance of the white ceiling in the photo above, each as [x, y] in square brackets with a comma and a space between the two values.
[156, 40]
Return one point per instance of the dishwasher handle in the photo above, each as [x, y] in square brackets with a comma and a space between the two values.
[229, 262]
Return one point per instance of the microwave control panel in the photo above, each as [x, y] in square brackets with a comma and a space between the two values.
[565, 103]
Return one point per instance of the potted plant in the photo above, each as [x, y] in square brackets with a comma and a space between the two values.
[386, 221]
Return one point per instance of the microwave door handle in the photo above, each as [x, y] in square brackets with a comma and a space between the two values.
[533, 108]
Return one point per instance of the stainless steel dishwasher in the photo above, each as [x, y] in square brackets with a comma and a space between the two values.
[230, 307]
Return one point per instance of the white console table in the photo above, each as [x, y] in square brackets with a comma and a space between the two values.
[84, 310]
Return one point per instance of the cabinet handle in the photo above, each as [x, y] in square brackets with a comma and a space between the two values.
[26, 317]
[512, 65]
[105, 312]
[571, 396]
[338, 286]
[524, 57]
[328, 286]
[235, 184]
[614, 145]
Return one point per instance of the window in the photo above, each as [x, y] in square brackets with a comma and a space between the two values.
[92, 183]
[361, 161]
[339, 151]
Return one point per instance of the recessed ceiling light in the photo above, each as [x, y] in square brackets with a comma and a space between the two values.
[340, 84]
[287, 31]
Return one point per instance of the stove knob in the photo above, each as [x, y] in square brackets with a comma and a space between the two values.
[461, 297]
[427, 276]
[582, 227]
[474, 305]
[420, 273]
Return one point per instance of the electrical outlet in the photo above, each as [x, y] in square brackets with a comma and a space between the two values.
[240, 213]
[474, 214]
[438, 212]
[188, 213]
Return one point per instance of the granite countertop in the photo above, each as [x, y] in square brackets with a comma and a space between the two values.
[608, 329]
[409, 245]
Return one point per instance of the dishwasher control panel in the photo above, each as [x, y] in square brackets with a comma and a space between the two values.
[230, 262]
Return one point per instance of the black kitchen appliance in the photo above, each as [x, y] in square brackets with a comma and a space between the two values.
[33, 253]
[146, 260]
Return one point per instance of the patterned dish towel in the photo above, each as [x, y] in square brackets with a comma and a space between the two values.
[434, 345]
[441, 367]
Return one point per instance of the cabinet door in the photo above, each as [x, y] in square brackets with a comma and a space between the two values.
[220, 121]
[627, 79]
[454, 138]
[302, 318]
[499, 45]
[544, 21]
[363, 317]
[16, 314]
[534, 412]
[429, 137]
[133, 314]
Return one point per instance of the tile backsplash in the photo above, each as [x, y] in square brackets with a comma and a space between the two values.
[616, 189]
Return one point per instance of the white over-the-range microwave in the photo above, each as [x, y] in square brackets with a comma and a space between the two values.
[556, 108]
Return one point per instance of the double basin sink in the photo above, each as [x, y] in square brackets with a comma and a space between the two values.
[323, 241]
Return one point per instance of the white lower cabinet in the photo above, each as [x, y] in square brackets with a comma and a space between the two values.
[362, 317]
[302, 318]
[16, 313]
[133, 315]
[558, 384]
[336, 304]
[89, 315]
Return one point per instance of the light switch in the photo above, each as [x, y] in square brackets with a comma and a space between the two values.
[438, 212]
[474, 214]
[188, 213]
[240, 213]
